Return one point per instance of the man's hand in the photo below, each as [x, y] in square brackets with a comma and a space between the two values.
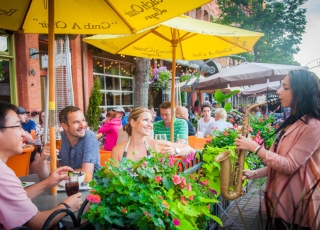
[45, 153]
[74, 201]
[58, 175]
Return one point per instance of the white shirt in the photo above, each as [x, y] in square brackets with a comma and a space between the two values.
[220, 125]
[203, 126]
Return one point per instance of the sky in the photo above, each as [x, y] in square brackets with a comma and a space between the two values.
[310, 45]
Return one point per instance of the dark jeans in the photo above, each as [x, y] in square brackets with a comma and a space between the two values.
[279, 224]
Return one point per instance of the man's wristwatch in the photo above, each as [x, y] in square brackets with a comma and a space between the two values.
[177, 150]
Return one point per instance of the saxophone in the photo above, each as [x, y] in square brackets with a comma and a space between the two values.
[225, 163]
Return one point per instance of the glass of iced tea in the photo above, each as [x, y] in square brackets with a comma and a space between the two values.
[72, 185]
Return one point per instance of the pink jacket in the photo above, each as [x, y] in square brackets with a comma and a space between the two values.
[298, 150]
[111, 130]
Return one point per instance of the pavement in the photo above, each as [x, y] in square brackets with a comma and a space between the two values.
[245, 212]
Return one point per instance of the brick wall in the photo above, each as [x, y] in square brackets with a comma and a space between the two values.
[29, 88]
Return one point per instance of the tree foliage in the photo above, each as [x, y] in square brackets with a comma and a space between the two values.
[281, 21]
[94, 111]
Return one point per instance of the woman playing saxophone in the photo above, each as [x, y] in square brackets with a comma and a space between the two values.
[292, 194]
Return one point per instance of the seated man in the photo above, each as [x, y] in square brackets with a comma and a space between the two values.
[22, 114]
[16, 207]
[206, 121]
[29, 124]
[220, 124]
[163, 127]
[79, 149]
[182, 113]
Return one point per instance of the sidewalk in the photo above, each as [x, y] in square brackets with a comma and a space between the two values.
[244, 212]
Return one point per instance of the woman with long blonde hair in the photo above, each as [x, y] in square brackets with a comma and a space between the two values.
[138, 128]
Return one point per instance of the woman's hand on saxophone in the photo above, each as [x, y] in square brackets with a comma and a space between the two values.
[249, 174]
[245, 143]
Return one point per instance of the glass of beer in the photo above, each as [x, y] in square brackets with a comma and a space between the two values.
[161, 142]
[72, 185]
[58, 143]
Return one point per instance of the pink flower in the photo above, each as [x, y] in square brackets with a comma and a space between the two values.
[183, 181]
[123, 210]
[176, 179]
[158, 179]
[260, 119]
[146, 214]
[161, 160]
[166, 212]
[160, 197]
[183, 200]
[93, 198]
[145, 163]
[231, 120]
[189, 187]
[225, 133]
[205, 182]
[176, 222]
[191, 197]
[171, 160]
[190, 157]
[250, 129]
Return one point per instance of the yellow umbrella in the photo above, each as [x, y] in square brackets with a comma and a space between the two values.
[84, 17]
[91, 16]
[181, 38]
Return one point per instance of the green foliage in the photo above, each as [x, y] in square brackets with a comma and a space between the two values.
[149, 194]
[262, 128]
[282, 22]
[221, 97]
[94, 111]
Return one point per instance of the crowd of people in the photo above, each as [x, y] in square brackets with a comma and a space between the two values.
[292, 163]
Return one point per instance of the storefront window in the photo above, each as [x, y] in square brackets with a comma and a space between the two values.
[8, 86]
[3, 43]
[116, 82]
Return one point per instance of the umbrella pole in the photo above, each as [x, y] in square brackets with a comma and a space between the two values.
[173, 81]
[52, 105]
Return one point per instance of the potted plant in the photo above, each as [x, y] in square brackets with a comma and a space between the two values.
[160, 78]
[94, 111]
[149, 194]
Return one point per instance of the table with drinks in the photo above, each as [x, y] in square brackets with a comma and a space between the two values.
[46, 200]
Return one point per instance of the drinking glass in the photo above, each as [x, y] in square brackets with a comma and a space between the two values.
[72, 185]
[161, 144]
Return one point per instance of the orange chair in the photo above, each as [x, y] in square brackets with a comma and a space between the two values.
[20, 163]
[192, 141]
[104, 156]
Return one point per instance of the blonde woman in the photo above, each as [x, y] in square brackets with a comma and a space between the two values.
[139, 128]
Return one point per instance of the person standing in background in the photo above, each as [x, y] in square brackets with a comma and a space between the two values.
[293, 162]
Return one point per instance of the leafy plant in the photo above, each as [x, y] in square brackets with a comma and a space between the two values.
[94, 111]
[220, 97]
[149, 194]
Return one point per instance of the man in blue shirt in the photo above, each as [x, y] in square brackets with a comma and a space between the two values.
[29, 124]
[79, 149]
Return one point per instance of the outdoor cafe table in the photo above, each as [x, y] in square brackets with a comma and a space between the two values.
[46, 201]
